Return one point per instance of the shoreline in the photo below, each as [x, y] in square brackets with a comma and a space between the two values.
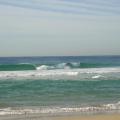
[113, 116]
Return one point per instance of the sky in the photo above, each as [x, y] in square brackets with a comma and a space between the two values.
[59, 27]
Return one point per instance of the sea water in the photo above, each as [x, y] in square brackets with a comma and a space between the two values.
[57, 85]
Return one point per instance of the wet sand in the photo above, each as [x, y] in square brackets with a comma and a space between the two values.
[77, 117]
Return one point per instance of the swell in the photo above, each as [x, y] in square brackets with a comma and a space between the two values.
[16, 67]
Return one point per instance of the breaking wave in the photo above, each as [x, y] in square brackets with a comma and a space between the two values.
[69, 65]
[28, 66]
[72, 65]
[59, 66]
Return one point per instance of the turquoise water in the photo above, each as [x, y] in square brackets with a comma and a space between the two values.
[58, 93]
[59, 85]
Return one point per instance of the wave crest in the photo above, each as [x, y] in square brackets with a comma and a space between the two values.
[72, 65]
[69, 65]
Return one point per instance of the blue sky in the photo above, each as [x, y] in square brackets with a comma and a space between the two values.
[59, 27]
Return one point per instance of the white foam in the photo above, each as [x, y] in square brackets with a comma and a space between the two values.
[59, 73]
[43, 73]
[50, 67]
[45, 110]
[42, 67]
[96, 76]
[59, 66]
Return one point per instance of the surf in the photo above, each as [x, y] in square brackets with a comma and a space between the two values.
[53, 66]
[71, 74]
[57, 109]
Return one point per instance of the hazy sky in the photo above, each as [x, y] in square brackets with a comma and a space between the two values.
[59, 27]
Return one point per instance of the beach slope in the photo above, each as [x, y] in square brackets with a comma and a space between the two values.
[38, 117]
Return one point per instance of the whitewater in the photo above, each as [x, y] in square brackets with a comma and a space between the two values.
[79, 74]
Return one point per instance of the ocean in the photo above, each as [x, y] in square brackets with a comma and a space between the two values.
[59, 85]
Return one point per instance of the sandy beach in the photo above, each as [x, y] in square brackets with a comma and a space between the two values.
[38, 117]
